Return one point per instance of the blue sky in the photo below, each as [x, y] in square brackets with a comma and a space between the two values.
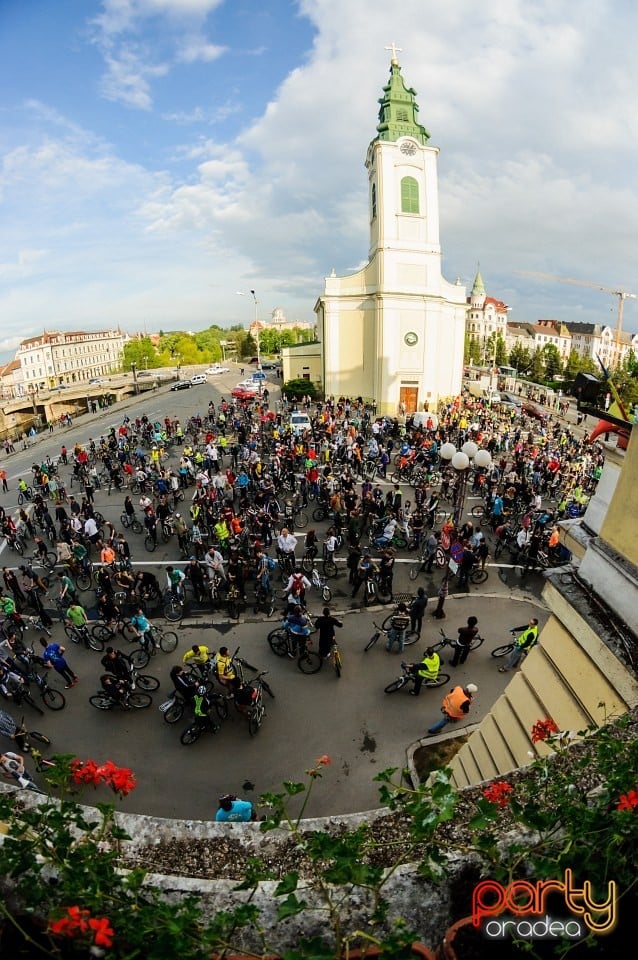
[157, 156]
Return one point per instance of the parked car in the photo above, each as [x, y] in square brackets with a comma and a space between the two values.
[181, 385]
[198, 378]
[242, 392]
[95, 380]
[270, 365]
[212, 371]
[254, 360]
[299, 422]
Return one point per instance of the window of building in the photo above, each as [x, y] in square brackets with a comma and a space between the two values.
[374, 201]
[409, 195]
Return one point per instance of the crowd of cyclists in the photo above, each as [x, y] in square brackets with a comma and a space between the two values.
[232, 495]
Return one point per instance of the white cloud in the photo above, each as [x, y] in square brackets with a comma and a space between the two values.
[192, 49]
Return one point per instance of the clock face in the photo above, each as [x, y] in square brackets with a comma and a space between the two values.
[408, 149]
[411, 339]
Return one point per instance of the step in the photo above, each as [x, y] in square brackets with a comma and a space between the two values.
[583, 674]
[471, 771]
[513, 729]
[563, 693]
[497, 743]
[479, 749]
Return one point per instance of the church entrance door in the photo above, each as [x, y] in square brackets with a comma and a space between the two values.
[408, 397]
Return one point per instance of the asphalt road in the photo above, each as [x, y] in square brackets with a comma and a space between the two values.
[349, 718]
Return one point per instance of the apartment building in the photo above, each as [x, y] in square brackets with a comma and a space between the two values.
[54, 358]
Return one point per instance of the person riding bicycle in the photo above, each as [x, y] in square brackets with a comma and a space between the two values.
[224, 667]
[107, 608]
[117, 663]
[427, 669]
[76, 616]
[146, 585]
[79, 554]
[185, 683]
[326, 624]
[181, 531]
[175, 582]
[115, 688]
[198, 654]
[398, 628]
[202, 706]
[244, 695]
[296, 587]
[387, 535]
[298, 625]
[23, 487]
[143, 629]
[11, 683]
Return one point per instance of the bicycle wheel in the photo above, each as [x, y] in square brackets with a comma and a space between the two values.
[278, 641]
[337, 661]
[479, 576]
[101, 632]
[309, 662]
[145, 682]
[397, 684]
[233, 609]
[53, 699]
[127, 630]
[440, 681]
[149, 544]
[94, 643]
[139, 659]
[191, 734]
[168, 641]
[136, 526]
[371, 642]
[100, 701]
[50, 560]
[326, 594]
[39, 737]
[498, 549]
[307, 563]
[329, 568]
[254, 720]
[139, 701]
[71, 633]
[173, 611]
[415, 571]
[175, 712]
[20, 498]
[220, 704]
[387, 622]
[301, 520]
[84, 580]
[478, 510]
[318, 514]
[410, 638]
[502, 651]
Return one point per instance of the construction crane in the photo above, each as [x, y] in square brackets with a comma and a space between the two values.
[621, 294]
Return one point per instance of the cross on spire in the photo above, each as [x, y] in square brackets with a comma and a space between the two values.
[395, 50]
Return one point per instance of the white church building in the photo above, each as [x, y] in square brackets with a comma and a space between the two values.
[394, 332]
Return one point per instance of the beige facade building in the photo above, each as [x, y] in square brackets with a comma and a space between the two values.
[54, 358]
[486, 322]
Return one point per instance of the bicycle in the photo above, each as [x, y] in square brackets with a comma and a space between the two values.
[408, 677]
[132, 698]
[173, 606]
[107, 632]
[506, 648]
[446, 641]
[83, 635]
[264, 600]
[384, 628]
[202, 725]
[154, 639]
[329, 565]
[51, 697]
[131, 522]
[15, 542]
[335, 656]
[320, 585]
[25, 495]
[283, 642]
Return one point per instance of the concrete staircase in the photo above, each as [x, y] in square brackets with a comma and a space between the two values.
[573, 676]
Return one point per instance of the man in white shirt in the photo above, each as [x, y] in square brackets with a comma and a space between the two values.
[90, 529]
[214, 563]
[286, 543]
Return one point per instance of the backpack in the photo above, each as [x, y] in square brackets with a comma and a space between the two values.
[271, 563]
[297, 581]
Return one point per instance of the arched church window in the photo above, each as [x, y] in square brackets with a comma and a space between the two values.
[409, 195]
[374, 201]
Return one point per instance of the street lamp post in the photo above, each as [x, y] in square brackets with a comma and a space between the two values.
[134, 369]
[145, 359]
[463, 461]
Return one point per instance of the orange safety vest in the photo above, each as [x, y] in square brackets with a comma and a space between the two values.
[452, 703]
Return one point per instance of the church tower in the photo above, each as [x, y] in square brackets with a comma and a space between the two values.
[394, 331]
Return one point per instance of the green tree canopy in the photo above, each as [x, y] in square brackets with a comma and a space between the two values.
[552, 360]
[520, 358]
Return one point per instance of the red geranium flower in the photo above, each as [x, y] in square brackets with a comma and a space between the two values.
[324, 760]
[85, 771]
[103, 931]
[75, 922]
[543, 729]
[498, 793]
[628, 801]
[122, 781]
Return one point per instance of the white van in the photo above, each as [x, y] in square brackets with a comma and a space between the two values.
[199, 378]
[299, 422]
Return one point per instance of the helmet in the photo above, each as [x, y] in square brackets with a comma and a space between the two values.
[201, 691]
[471, 688]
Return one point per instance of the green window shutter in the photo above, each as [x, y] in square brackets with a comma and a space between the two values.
[409, 195]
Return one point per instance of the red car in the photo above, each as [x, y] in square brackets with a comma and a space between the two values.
[243, 393]
[535, 410]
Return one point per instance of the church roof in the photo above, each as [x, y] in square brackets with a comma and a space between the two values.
[399, 110]
[478, 289]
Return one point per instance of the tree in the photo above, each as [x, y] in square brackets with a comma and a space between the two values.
[140, 352]
[574, 365]
[520, 358]
[552, 361]
[537, 367]
[299, 388]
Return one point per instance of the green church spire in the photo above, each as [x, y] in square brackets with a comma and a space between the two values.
[478, 290]
[399, 109]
